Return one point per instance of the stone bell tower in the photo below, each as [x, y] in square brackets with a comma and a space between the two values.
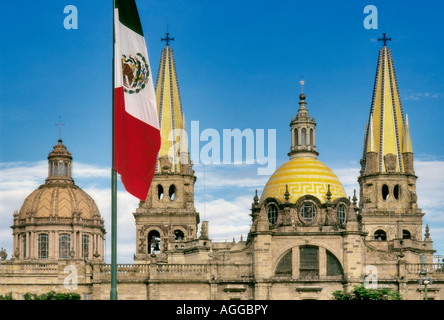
[388, 201]
[168, 215]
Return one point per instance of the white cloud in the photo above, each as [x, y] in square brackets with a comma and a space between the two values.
[415, 96]
[81, 170]
[349, 179]
[227, 218]
[21, 175]
[223, 176]
[430, 189]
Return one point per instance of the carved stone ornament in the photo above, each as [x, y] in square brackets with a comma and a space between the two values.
[413, 197]
[286, 217]
[382, 254]
[165, 164]
[3, 254]
[390, 162]
[220, 256]
[204, 231]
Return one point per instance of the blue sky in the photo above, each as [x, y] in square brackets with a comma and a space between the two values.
[239, 66]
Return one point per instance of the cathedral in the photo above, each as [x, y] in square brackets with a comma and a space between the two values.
[307, 238]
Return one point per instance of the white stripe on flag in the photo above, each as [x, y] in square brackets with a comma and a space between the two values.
[141, 105]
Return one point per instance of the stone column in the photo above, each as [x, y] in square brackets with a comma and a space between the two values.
[295, 262]
[15, 244]
[262, 291]
[51, 244]
[33, 246]
[28, 245]
[322, 262]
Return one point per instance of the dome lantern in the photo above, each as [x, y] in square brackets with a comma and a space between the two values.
[59, 165]
[303, 133]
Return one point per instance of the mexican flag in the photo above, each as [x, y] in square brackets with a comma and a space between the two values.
[136, 124]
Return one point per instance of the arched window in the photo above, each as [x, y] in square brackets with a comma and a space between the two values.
[85, 246]
[284, 267]
[178, 235]
[64, 246]
[311, 138]
[24, 246]
[43, 246]
[396, 191]
[308, 211]
[272, 213]
[159, 192]
[385, 192]
[406, 234]
[304, 136]
[60, 172]
[296, 142]
[172, 192]
[66, 168]
[154, 242]
[334, 267]
[55, 168]
[380, 235]
[341, 214]
[308, 262]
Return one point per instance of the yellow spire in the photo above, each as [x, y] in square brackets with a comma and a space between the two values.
[387, 131]
[407, 143]
[171, 118]
[371, 137]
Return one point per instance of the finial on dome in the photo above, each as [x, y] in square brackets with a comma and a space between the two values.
[256, 199]
[328, 194]
[59, 164]
[302, 95]
[286, 194]
[427, 232]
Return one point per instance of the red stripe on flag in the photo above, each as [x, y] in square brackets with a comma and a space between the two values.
[136, 145]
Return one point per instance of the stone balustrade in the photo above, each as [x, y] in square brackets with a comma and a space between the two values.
[433, 269]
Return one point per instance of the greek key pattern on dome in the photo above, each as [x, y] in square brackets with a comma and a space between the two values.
[303, 188]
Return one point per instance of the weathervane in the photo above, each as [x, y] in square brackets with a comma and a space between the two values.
[167, 38]
[384, 39]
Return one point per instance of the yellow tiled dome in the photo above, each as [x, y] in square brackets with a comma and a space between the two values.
[304, 176]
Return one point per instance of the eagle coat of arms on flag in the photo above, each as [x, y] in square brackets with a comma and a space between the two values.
[135, 72]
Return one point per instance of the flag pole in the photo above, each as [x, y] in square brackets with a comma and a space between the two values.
[113, 292]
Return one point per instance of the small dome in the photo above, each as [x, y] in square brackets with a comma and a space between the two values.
[304, 176]
[61, 201]
[59, 196]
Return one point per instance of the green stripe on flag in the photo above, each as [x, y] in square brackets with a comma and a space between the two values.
[128, 15]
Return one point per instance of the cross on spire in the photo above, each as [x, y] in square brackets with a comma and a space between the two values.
[384, 39]
[167, 38]
[60, 124]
